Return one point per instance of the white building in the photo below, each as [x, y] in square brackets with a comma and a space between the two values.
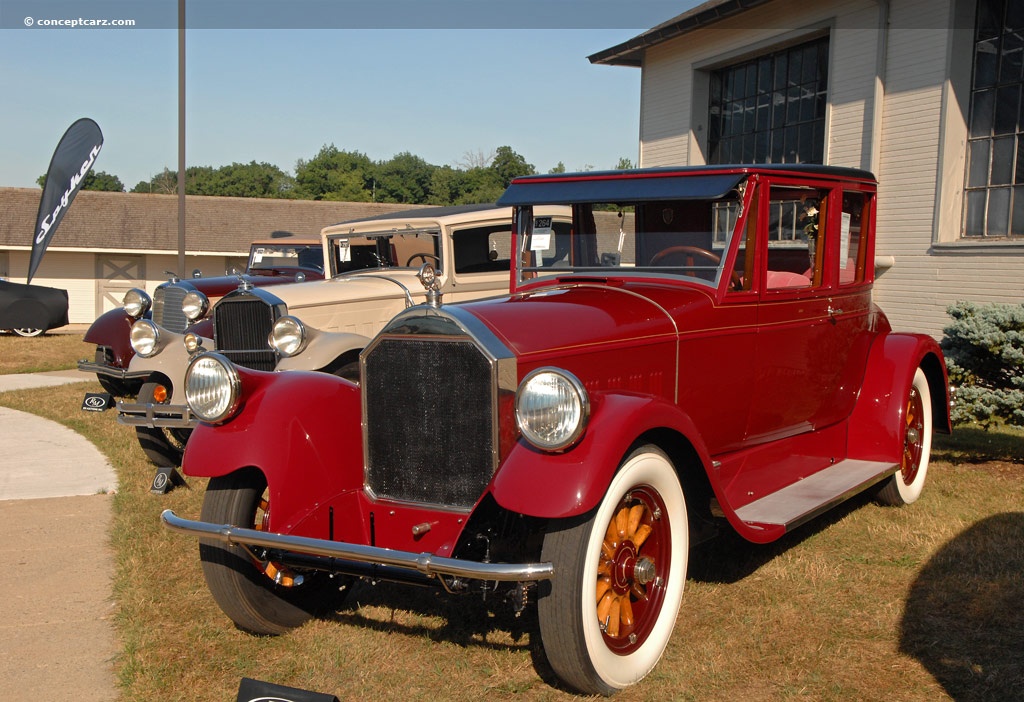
[926, 94]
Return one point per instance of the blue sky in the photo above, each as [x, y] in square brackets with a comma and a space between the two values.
[279, 95]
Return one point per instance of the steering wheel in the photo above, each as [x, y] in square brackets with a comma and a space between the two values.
[696, 252]
[423, 256]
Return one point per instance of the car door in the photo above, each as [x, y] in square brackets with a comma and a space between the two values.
[811, 328]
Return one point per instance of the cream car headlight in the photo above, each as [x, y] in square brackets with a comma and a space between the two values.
[552, 408]
[212, 388]
[145, 338]
[288, 337]
[195, 305]
[136, 302]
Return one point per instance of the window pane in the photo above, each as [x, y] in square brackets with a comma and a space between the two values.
[1007, 108]
[1015, 16]
[985, 59]
[764, 75]
[977, 175]
[781, 70]
[1010, 57]
[807, 105]
[990, 18]
[795, 64]
[1003, 158]
[982, 112]
[1017, 225]
[998, 212]
[751, 81]
[975, 219]
[810, 66]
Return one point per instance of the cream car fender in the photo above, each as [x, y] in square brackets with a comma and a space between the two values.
[322, 348]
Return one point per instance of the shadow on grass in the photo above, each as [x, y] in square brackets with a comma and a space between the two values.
[463, 620]
[964, 617]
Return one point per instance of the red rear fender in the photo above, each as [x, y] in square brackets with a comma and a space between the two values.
[876, 429]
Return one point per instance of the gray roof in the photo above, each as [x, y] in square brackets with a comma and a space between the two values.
[631, 51]
[137, 222]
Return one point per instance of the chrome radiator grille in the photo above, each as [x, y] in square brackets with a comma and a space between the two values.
[241, 326]
[167, 308]
[429, 420]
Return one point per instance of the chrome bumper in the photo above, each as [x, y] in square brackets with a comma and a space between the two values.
[111, 371]
[151, 414]
[425, 563]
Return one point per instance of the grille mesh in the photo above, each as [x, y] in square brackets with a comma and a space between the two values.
[167, 308]
[429, 420]
[241, 327]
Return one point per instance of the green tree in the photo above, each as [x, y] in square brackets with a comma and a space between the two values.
[624, 164]
[335, 175]
[239, 180]
[507, 164]
[405, 178]
[984, 348]
[559, 168]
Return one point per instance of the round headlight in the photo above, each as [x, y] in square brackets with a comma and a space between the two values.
[195, 305]
[145, 338]
[136, 303]
[552, 408]
[288, 337]
[212, 388]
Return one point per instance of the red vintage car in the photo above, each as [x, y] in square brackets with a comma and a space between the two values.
[711, 361]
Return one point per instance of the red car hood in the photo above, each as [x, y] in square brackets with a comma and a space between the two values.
[574, 317]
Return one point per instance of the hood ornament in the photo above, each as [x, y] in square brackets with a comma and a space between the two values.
[428, 277]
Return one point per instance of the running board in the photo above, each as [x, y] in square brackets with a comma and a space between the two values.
[805, 499]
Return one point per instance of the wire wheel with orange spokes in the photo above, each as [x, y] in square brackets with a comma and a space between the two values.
[619, 574]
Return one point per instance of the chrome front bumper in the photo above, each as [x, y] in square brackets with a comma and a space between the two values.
[152, 414]
[423, 563]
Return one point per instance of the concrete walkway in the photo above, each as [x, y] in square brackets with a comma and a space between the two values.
[56, 635]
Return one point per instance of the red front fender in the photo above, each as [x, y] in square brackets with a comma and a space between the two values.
[876, 426]
[558, 485]
[301, 429]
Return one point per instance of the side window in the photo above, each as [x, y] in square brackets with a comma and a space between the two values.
[796, 236]
[852, 250]
[482, 249]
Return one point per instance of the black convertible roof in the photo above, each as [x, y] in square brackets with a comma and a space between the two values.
[671, 183]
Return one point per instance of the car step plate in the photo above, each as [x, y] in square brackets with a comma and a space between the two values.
[803, 500]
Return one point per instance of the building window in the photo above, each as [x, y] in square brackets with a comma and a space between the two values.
[771, 109]
[994, 206]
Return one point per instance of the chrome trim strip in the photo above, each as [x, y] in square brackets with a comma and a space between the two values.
[425, 563]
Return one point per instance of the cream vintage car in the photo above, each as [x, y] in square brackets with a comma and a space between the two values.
[371, 265]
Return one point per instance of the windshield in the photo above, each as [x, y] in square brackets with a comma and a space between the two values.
[264, 257]
[678, 238]
[351, 252]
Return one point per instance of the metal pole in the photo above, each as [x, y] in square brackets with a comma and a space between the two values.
[181, 138]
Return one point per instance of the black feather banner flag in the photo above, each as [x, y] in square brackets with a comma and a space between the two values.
[74, 156]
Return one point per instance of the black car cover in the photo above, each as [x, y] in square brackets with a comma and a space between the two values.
[32, 306]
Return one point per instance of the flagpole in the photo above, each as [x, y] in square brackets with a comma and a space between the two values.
[181, 138]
